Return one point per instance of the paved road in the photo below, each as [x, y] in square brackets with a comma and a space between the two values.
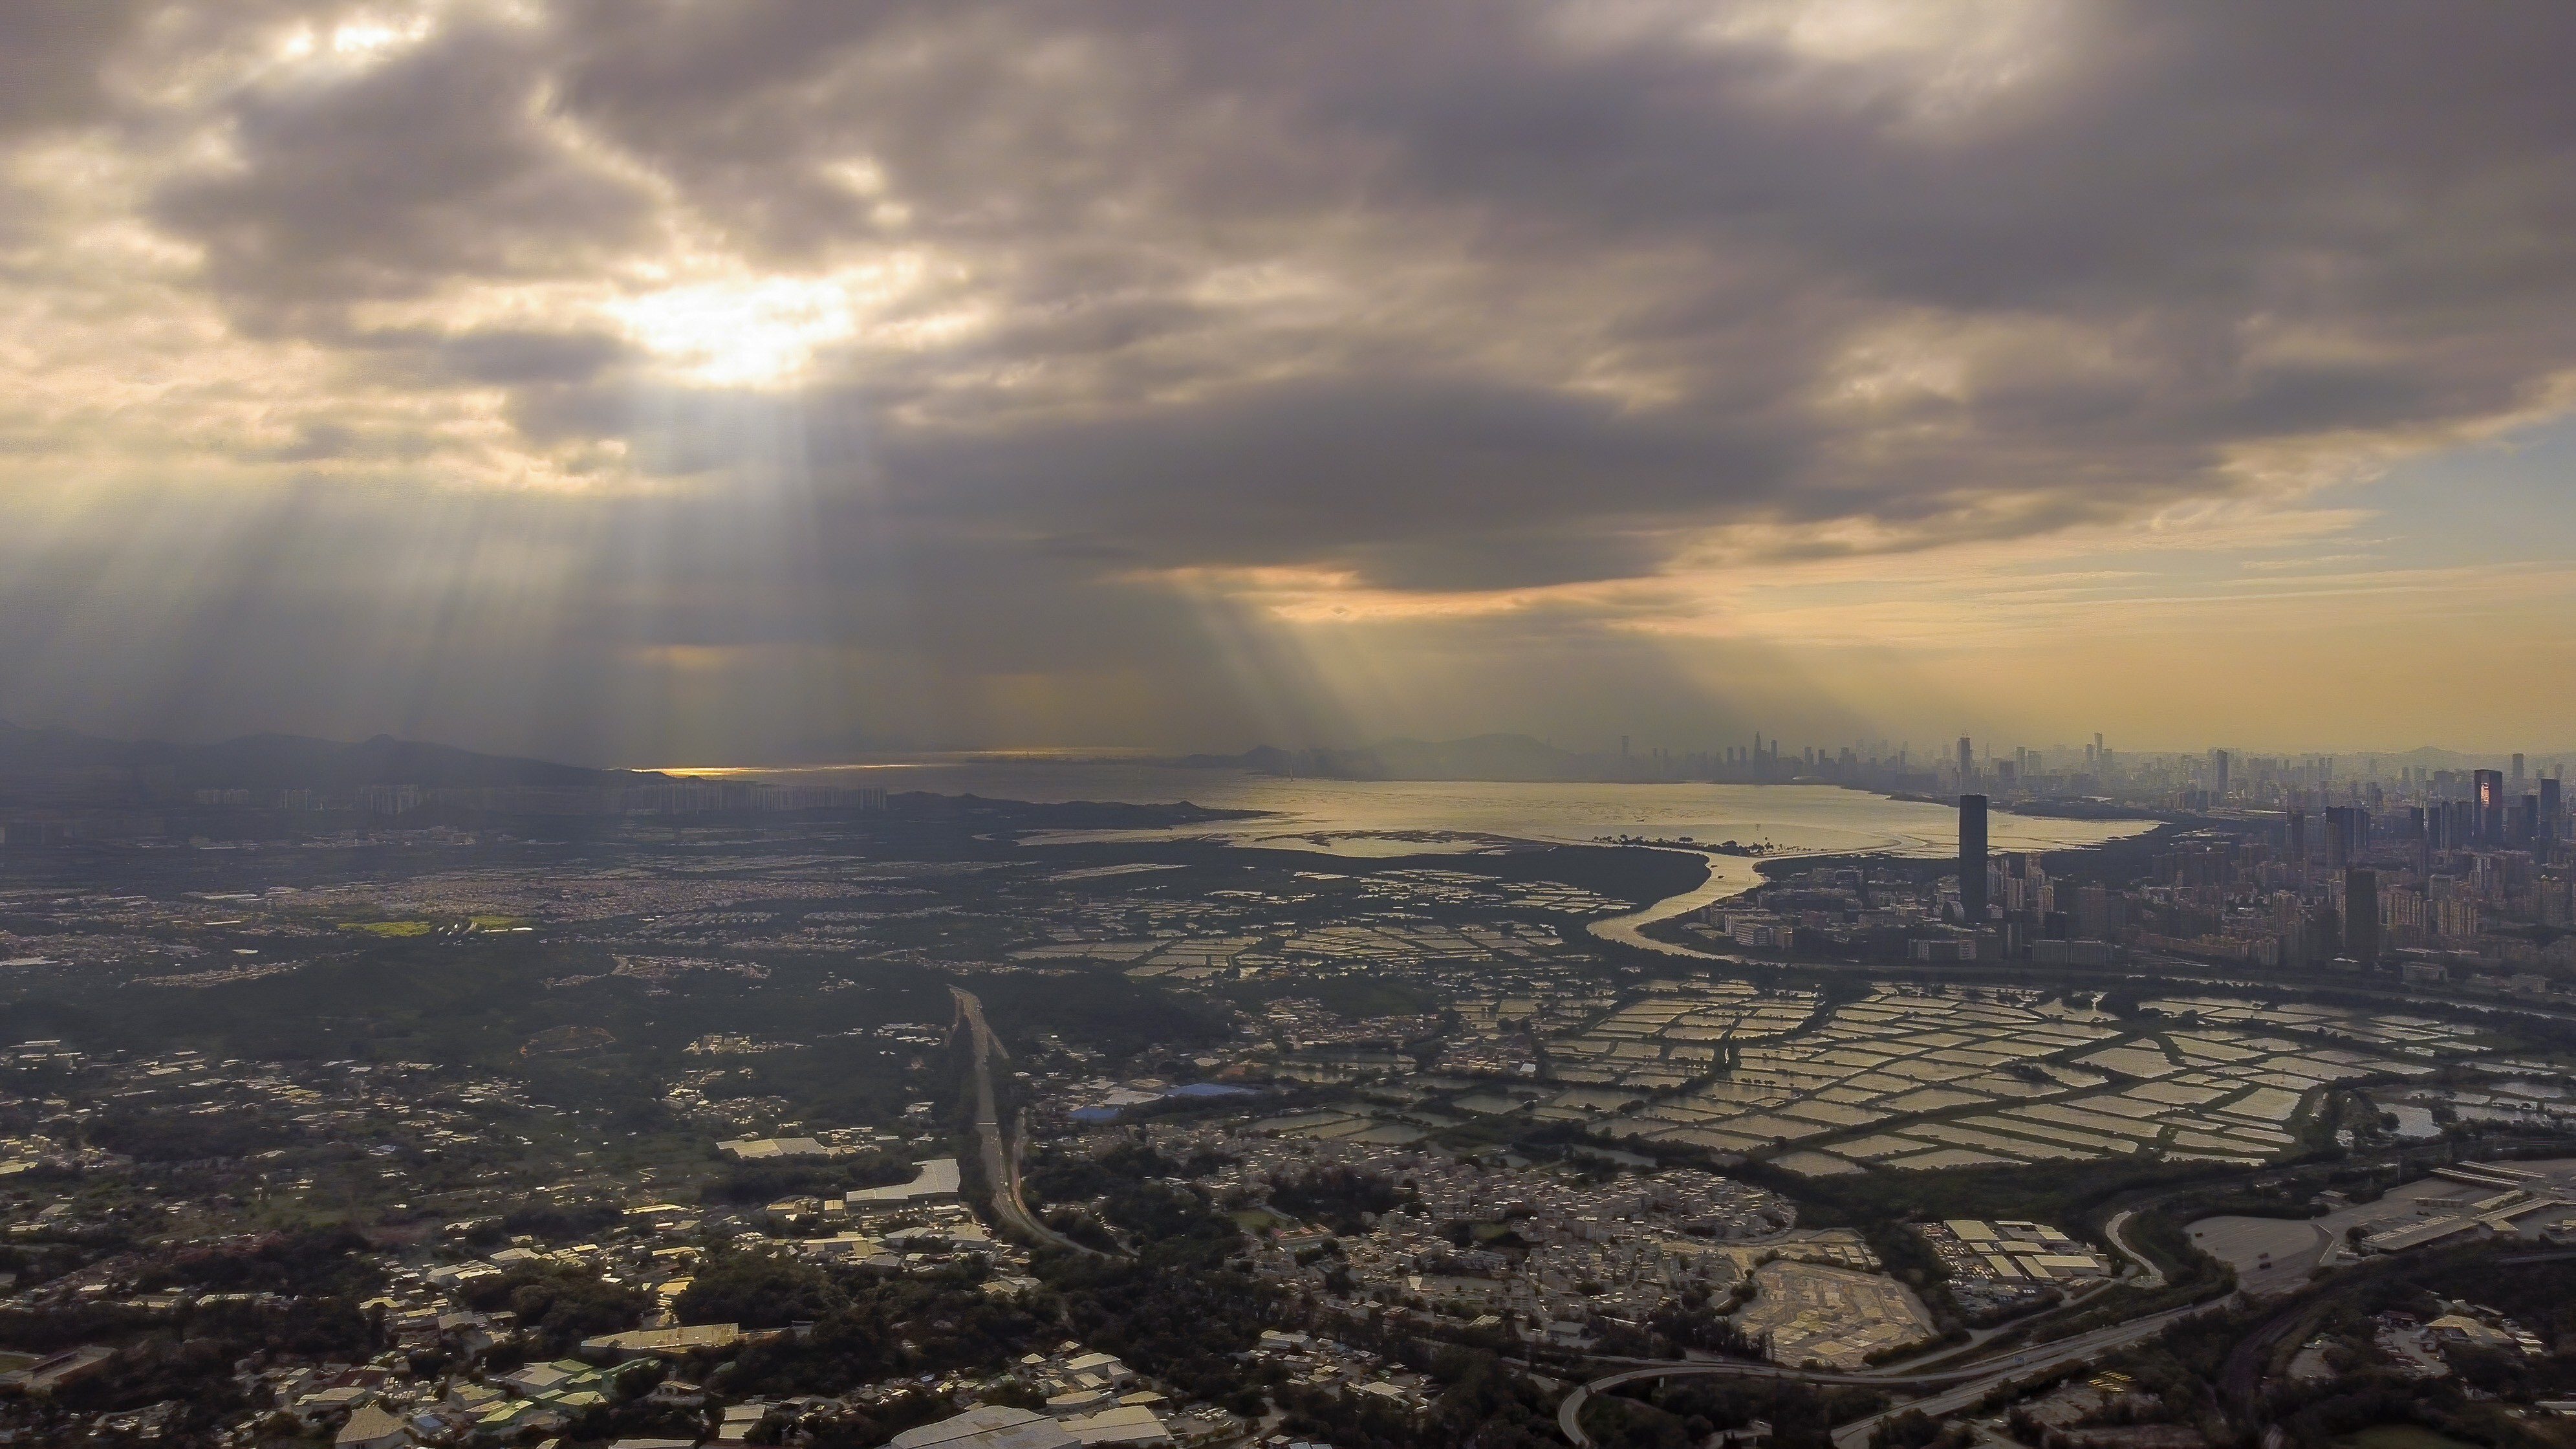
[1948, 1390]
[1955, 1389]
[2240, 1378]
[2242, 1373]
[1855, 1435]
[1002, 1168]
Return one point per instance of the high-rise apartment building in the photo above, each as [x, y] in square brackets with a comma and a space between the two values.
[2361, 915]
[1972, 857]
[1967, 763]
[2347, 835]
[2552, 809]
[2093, 920]
[2290, 923]
[2486, 807]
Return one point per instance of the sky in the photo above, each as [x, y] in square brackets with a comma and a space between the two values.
[744, 381]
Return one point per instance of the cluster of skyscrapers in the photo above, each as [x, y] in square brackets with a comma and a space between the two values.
[2443, 875]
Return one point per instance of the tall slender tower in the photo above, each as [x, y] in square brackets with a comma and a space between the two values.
[2361, 915]
[1967, 763]
[1972, 860]
[2486, 801]
[2347, 835]
[2218, 786]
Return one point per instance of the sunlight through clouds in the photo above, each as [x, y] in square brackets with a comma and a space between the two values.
[824, 375]
[758, 332]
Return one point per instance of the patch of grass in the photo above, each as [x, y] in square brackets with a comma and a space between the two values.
[390, 928]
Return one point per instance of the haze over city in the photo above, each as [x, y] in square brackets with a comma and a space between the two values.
[1176, 724]
[711, 384]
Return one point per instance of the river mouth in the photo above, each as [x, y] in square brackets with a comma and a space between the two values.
[1727, 875]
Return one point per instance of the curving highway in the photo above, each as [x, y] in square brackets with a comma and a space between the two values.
[1948, 1390]
[1002, 1167]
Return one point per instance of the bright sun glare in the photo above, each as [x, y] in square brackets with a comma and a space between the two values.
[739, 333]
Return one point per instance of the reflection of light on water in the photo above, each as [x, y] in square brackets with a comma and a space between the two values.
[1727, 874]
[765, 772]
[1800, 819]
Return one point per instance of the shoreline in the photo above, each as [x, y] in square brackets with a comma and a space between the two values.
[1725, 879]
[1722, 882]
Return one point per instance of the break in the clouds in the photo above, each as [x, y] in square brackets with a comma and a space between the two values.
[651, 379]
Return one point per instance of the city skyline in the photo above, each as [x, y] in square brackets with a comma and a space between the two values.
[929, 725]
[1702, 753]
[786, 383]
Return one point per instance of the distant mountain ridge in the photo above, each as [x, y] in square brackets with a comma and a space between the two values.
[280, 762]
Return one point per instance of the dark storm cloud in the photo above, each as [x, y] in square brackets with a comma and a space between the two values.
[1391, 468]
[51, 52]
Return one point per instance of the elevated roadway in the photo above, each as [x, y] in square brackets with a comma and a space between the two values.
[1937, 1393]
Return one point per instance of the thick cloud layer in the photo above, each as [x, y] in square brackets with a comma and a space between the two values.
[950, 374]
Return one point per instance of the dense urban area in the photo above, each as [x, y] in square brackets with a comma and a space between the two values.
[390, 1097]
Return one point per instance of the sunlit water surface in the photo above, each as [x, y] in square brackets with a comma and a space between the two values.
[1407, 817]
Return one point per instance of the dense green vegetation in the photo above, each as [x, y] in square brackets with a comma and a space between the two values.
[752, 1183]
[1171, 1225]
[149, 1136]
[564, 1305]
[187, 1353]
[1337, 1196]
[1476, 1404]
